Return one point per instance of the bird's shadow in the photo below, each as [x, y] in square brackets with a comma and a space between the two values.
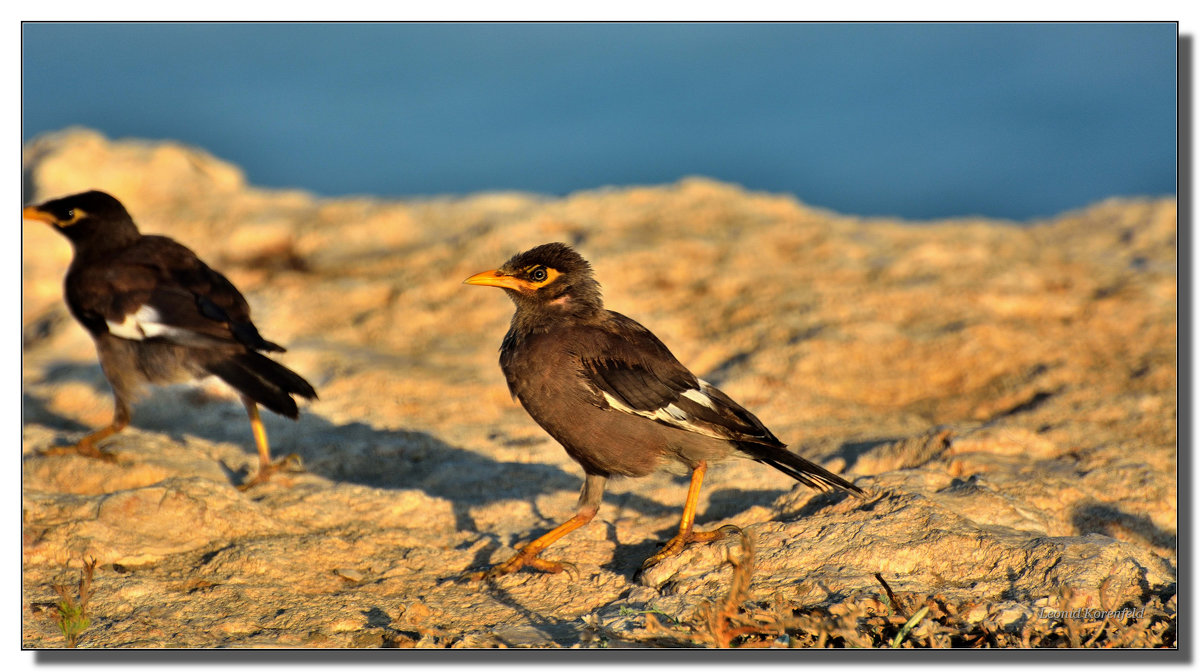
[728, 502]
[351, 452]
[1112, 522]
[36, 411]
[399, 459]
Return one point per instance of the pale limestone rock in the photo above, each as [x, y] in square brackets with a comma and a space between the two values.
[1007, 392]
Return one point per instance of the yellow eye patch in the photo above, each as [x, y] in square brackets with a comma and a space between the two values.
[74, 215]
[540, 276]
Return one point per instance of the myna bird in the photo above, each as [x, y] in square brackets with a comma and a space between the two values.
[158, 314]
[616, 398]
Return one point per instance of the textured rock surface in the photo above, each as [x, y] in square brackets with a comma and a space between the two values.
[1008, 391]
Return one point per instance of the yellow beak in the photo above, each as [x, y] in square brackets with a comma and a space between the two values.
[497, 279]
[32, 212]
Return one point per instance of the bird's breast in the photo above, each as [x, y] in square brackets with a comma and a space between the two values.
[546, 378]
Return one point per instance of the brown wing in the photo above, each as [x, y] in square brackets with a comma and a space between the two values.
[159, 289]
[629, 370]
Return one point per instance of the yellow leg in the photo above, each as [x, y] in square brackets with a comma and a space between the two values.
[265, 466]
[260, 434]
[686, 535]
[87, 445]
[527, 556]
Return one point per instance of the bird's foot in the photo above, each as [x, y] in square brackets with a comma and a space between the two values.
[85, 448]
[517, 562]
[288, 464]
[677, 543]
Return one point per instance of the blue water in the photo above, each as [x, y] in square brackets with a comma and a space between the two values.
[916, 120]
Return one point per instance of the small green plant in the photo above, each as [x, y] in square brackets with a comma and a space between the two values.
[912, 623]
[71, 613]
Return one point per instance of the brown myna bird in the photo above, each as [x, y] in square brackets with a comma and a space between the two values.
[158, 314]
[616, 398]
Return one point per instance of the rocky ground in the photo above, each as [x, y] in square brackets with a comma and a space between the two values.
[1007, 391]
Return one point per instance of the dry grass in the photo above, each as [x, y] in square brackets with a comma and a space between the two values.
[909, 620]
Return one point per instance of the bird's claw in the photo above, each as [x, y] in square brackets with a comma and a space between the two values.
[257, 480]
[489, 574]
[85, 449]
[291, 464]
[468, 577]
[571, 569]
[677, 543]
[519, 561]
[726, 530]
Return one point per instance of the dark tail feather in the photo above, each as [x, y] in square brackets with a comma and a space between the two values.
[287, 380]
[247, 334]
[812, 475]
[265, 381]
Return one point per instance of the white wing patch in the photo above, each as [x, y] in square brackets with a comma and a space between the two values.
[142, 324]
[675, 412]
[700, 396]
[671, 414]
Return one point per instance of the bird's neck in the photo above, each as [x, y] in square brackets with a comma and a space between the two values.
[102, 243]
[545, 317]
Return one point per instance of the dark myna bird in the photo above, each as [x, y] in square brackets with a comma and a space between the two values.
[616, 398]
[160, 315]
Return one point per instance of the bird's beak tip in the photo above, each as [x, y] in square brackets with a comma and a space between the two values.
[498, 279]
[486, 278]
[32, 212]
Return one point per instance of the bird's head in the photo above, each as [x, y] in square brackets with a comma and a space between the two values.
[91, 215]
[550, 277]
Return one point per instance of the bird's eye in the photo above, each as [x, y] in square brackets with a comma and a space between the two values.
[538, 274]
[70, 215]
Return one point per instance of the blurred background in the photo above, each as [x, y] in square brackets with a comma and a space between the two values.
[920, 121]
